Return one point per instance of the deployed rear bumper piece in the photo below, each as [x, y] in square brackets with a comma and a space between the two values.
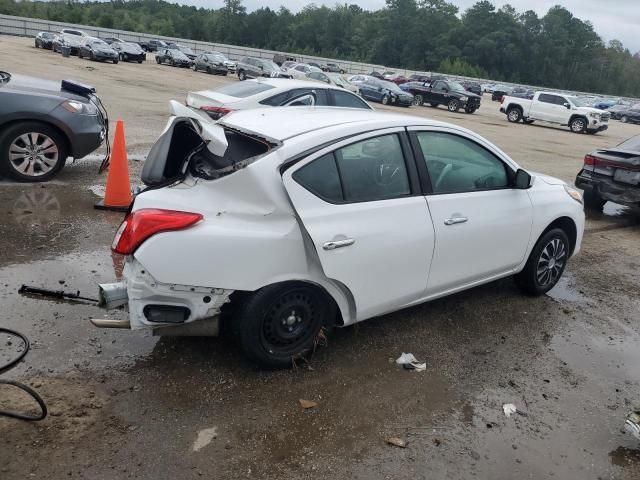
[165, 307]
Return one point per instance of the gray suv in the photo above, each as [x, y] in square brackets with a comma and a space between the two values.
[42, 123]
[250, 67]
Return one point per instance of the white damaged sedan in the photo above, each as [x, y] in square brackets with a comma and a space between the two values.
[286, 222]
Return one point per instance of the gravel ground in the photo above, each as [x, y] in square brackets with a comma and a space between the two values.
[126, 405]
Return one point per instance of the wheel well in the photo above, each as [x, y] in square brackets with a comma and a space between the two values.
[514, 105]
[568, 226]
[239, 296]
[573, 117]
[43, 122]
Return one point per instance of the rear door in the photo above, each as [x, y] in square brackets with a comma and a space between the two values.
[361, 204]
[482, 224]
[549, 108]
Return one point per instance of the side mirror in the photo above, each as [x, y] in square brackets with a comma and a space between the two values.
[566, 104]
[522, 180]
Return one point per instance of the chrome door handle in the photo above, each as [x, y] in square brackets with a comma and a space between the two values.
[338, 244]
[454, 220]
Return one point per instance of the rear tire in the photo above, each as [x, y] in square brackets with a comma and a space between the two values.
[514, 114]
[546, 263]
[242, 75]
[470, 110]
[624, 119]
[281, 323]
[593, 201]
[157, 60]
[385, 100]
[418, 100]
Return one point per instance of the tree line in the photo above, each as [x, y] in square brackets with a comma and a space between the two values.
[557, 50]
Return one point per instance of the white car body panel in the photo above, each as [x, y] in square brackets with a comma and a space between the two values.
[260, 227]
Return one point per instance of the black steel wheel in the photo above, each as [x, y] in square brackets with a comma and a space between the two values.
[280, 323]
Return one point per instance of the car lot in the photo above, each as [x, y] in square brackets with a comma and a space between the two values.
[569, 359]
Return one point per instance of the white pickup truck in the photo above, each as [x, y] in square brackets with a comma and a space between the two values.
[556, 108]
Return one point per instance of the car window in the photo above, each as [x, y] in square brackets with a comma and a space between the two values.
[302, 101]
[553, 99]
[366, 171]
[456, 164]
[373, 169]
[348, 100]
[321, 178]
[276, 100]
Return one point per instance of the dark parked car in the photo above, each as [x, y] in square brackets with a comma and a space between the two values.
[500, 91]
[41, 124]
[376, 74]
[522, 92]
[444, 92]
[387, 93]
[333, 68]
[315, 64]
[44, 40]
[191, 55]
[249, 67]
[210, 63]
[473, 87]
[96, 49]
[129, 52]
[173, 57]
[153, 45]
[630, 115]
[612, 174]
[111, 40]
[419, 78]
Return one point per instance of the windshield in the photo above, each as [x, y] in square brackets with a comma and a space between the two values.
[578, 102]
[244, 89]
[632, 144]
[269, 65]
[47, 35]
[99, 43]
[456, 87]
[314, 69]
[217, 58]
[186, 50]
[177, 53]
[72, 32]
[391, 86]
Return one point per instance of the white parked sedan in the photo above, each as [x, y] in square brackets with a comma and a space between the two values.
[272, 92]
[289, 222]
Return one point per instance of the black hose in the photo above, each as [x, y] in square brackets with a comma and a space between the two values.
[8, 366]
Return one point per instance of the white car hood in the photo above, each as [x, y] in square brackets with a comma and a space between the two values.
[590, 110]
[548, 179]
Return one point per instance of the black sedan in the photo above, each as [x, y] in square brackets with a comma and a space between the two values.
[96, 49]
[44, 40]
[210, 63]
[612, 174]
[387, 93]
[173, 57]
[630, 115]
[500, 91]
[42, 123]
[129, 52]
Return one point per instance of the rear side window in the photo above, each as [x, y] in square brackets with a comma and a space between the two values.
[348, 100]
[553, 99]
[244, 89]
[367, 171]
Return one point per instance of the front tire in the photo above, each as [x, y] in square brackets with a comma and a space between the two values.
[242, 75]
[385, 100]
[546, 263]
[470, 110]
[624, 119]
[578, 125]
[32, 152]
[280, 323]
[453, 105]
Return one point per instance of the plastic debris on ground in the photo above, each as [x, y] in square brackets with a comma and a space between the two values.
[632, 423]
[397, 442]
[509, 409]
[409, 362]
[306, 404]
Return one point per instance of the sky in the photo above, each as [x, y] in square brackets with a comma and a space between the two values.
[612, 19]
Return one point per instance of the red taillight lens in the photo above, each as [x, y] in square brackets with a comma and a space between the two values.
[216, 112]
[142, 224]
[590, 160]
[501, 100]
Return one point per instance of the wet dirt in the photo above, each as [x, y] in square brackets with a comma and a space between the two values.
[128, 405]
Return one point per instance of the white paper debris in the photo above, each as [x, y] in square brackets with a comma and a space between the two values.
[408, 361]
[204, 438]
[509, 409]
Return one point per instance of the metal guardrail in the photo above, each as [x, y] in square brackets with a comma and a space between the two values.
[29, 27]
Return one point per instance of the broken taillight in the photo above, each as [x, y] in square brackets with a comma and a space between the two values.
[216, 112]
[144, 223]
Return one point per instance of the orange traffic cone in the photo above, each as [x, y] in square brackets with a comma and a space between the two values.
[117, 195]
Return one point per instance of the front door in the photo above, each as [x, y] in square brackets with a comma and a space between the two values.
[367, 219]
[482, 224]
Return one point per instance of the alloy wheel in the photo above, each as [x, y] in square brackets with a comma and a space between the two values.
[417, 100]
[453, 106]
[551, 262]
[577, 125]
[33, 154]
[514, 115]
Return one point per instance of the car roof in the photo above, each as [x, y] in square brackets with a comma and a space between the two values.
[282, 123]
